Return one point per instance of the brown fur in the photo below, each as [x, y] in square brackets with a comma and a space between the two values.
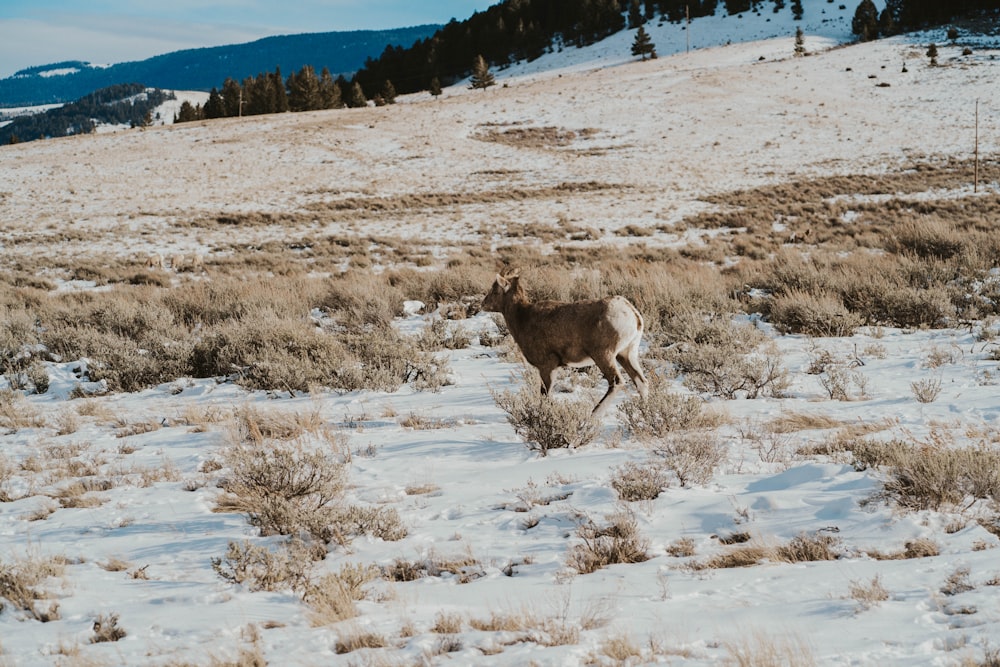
[552, 334]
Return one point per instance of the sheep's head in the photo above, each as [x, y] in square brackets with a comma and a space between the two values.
[504, 288]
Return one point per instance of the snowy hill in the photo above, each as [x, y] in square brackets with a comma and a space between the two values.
[780, 532]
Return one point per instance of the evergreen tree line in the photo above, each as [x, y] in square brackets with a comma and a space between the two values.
[123, 104]
[268, 92]
[904, 15]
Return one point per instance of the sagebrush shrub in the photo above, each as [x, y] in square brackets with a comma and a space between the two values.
[660, 412]
[693, 455]
[813, 315]
[619, 541]
[261, 569]
[545, 422]
[726, 359]
[284, 488]
[633, 481]
[923, 476]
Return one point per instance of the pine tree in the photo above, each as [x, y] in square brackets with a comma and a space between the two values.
[800, 42]
[330, 93]
[865, 22]
[932, 53]
[482, 77]
[278, 92]
[388, 92]
[797, 10]
[304, 90]
[643, 44]
[356, 96]
[214, 107]
[635, 16]
[435, 87]
[231, 96]
[186, 114]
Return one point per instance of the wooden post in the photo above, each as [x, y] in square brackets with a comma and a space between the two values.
[687, 33]
[975, 178]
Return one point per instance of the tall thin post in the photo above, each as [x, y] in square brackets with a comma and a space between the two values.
[975, 181]
[687, 32]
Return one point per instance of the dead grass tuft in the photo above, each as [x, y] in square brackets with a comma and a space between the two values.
[801, 548]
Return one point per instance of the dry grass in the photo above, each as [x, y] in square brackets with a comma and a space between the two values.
[802, 548]
[464, 568]
[447, 623]
[761, 650]
[356, 638]
[793, 422]
[869, 594]
[921, 547]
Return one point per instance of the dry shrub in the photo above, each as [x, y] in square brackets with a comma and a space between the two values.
[284, 488]
[634, 482]
[725, 359]
[440, 334]
[269, 351]
[19, 581]
[932, 475]
[16, 413]
[693, 456]
[261, 569]
[106, 629]
[869, 594]
[544, 422]
[361, 300]
[617, 542]
[464, 568]
[383, 360]
[661, 412]
[926, 390]
[813, 315]
[957, 582]
[246, 298]
[926, 238]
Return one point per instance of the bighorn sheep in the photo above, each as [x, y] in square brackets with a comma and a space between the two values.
[552, 334]
[154, 261]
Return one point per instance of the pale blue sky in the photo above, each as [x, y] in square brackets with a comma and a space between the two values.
[38, 32]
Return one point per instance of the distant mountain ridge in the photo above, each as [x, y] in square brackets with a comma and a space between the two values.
[201, 69]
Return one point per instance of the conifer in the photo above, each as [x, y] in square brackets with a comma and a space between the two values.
[643, 44]
[482, 77]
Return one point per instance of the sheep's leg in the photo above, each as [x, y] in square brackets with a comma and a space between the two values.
[629, 359]
[546, 373]
[614, 378]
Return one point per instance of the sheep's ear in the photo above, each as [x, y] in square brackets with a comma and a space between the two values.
[502, 282]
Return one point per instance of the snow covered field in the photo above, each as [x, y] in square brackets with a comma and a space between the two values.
[661, 135]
